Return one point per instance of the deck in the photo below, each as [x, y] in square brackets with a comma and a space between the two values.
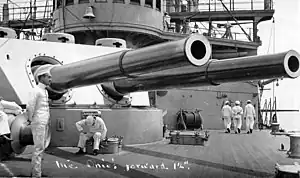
[225, 155]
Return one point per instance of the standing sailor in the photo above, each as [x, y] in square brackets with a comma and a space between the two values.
[226, 116]
[237, 112]
[249, 116]
[38, 116]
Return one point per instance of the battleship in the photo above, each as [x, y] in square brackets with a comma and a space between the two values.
[141, 62]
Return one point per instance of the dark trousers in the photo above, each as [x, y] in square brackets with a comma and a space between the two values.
[5, 147]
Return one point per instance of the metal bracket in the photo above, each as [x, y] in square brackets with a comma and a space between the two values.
[206, 74]
[121, 65]
[125, 101]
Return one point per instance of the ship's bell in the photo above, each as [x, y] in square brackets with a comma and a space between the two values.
[89, 14]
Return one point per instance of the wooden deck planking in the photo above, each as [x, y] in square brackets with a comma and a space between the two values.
[257, 152]
[262, 158]
[225, 155]
[247, 153]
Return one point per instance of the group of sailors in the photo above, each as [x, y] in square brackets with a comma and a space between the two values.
[236, 114]
[38, 115]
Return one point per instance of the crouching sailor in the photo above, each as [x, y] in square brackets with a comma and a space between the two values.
[97, 130]
[5, 148]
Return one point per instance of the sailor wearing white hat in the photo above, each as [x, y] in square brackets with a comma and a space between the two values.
[38, 115]
[226, 116]
[97, 130]
[249, 116]
[237, 112]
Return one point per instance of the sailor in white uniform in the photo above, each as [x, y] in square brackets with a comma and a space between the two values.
[226, 116]
[249, 116]
[39, 118]
[96, 129]
[237, 112]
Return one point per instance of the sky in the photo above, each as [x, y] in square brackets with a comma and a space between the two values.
[287, 37]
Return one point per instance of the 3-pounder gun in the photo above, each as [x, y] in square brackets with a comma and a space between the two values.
[166, 66]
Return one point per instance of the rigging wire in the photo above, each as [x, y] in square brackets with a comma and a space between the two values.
[249, 38]
[271, 34]
[274, 34]
[14, 3]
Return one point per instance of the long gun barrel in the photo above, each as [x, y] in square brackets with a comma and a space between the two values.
[194, 50]
[215, 72]
[164, 66]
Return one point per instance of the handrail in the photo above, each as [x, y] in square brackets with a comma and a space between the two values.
[217, 33]
[20, 10]
[216, 5]
[21, 13]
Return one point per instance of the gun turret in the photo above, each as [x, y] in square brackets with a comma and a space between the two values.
[176, 64]
[170, 65]
[194, 50]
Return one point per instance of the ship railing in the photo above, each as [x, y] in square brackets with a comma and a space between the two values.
[216, 5]
[25, 10]
[237, 34]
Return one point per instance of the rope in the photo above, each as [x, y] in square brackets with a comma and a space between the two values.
[271, 34]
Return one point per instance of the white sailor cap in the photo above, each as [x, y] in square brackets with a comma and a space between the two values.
[89, 120]
[44, 69]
